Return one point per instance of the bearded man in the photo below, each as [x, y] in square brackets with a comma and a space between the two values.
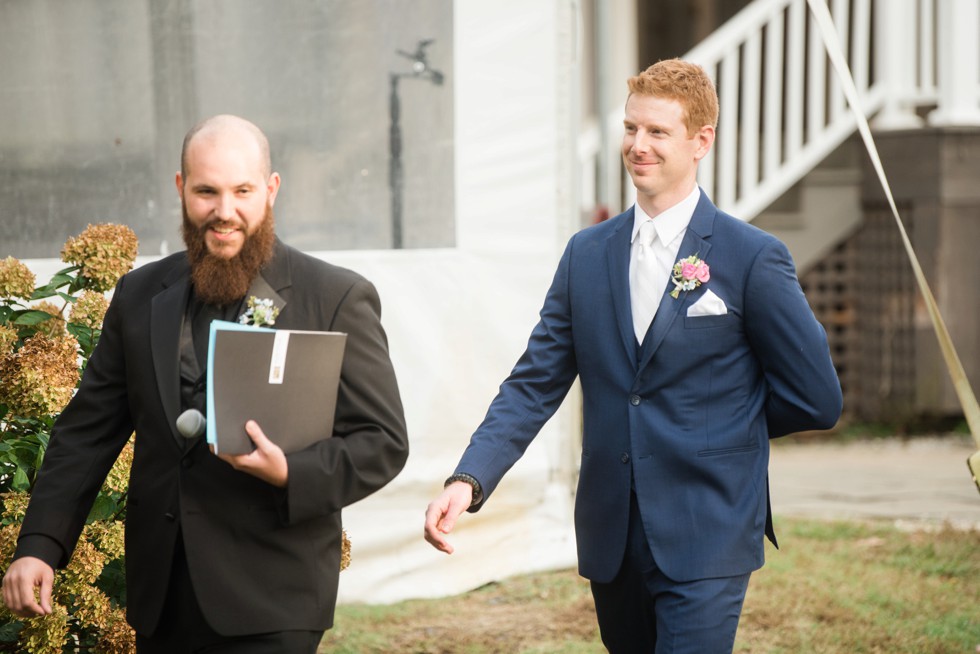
[223, 553]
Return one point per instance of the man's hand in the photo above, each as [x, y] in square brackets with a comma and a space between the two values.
[23, 576]
[266, 461]
[440, 517]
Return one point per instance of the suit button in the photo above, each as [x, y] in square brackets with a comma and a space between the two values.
[170, 517]
[635, 400]
[625, 458]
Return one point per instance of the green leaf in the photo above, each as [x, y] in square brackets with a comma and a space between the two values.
[59, 279]
[31, 318]
[21, 482]
[103, 509]
[10, 630]
[43, 292]
[86, 336]
[21, 456]
[80, 283]
[112, 582]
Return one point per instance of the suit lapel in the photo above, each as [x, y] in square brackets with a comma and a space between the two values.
[274, 279]
[618, 262]
[167, 318]
[262, 289]
[695, 243]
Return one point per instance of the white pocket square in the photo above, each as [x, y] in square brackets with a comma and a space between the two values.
[708, 305]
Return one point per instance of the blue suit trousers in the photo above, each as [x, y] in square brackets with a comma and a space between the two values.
[642, 611]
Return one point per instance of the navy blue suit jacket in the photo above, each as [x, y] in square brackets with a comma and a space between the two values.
[687, 415]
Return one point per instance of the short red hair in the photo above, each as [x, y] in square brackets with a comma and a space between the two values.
[685, 82]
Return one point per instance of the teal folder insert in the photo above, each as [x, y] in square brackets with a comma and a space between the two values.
[285, 380]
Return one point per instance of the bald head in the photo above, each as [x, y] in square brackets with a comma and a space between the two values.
[225, 127]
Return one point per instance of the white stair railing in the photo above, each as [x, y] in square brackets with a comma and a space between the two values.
[782, 108]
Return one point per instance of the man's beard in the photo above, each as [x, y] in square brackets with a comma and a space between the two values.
[218, 281]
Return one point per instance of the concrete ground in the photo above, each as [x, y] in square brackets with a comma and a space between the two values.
[913, 482]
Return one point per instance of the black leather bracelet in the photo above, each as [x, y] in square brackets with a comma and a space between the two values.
[472, 481]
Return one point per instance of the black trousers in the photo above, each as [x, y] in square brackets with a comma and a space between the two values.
[184, 630]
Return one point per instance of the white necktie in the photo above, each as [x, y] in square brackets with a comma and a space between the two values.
[646, 285]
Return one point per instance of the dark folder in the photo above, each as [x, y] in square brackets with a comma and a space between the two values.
[285, 380]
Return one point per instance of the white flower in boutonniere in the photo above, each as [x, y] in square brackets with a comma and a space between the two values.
[689, 273]
[260, 313]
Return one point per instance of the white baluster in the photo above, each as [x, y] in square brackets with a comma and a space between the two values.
[896, 62]
[748, 136]
[959, 64]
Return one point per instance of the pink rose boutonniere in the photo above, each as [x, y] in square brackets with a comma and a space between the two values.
[689, 273]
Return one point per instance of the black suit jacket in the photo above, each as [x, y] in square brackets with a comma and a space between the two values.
[261, 559]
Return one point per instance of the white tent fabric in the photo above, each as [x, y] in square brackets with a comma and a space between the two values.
[457, 323]
[457, 319]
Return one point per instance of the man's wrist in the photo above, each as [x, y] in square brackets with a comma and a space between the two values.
[40, 546]
[472, 481]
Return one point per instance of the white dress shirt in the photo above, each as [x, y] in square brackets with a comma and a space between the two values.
[671, 225]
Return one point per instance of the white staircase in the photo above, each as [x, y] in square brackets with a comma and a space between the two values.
[783, 111]
[821, 209]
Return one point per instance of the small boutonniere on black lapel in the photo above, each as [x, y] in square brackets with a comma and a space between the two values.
[689, 273]
[260, 313]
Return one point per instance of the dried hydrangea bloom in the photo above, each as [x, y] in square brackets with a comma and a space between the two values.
[89, 309]
[83, 570]
[47, 634]
[117, 637]
[75, 586]
[54, 326]
[8, 541]
[108, 536]
[16, 280]
[117, 481]
[104, 252]
[15, 506]
[344, 550]
[39, 379]
[8, 339]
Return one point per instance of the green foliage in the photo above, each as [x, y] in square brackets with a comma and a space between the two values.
[89, 595]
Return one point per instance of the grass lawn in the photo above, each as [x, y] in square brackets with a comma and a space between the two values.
[848, 587]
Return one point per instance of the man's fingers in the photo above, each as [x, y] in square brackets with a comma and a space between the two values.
[44, 594]
[22, 578]
[442, 513]
[440, 544]
[433, 513]
[448, 521]
[257, 435]
[438, 540]
[266, 461]
[434, 517]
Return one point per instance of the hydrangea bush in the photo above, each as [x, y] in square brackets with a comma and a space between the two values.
[47, 334]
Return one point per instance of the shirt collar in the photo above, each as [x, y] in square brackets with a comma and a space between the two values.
[670, 222]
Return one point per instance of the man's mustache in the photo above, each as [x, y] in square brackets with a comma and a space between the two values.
[221, 222]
